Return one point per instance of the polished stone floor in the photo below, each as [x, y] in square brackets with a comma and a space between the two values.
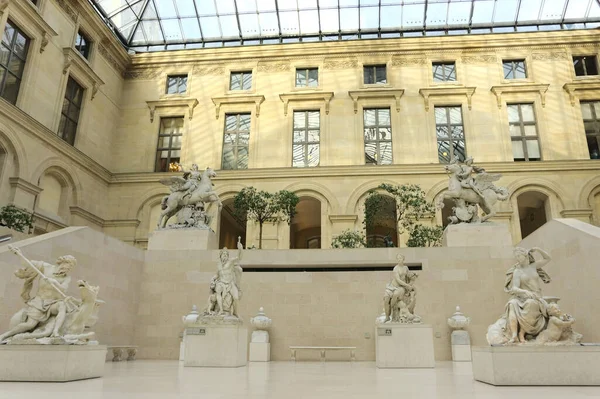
[285, 380]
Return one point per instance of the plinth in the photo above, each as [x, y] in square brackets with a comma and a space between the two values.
[404, 345]
[260, 352]
[216, 345]
[182, 239]
[477, 235]
[537, 365]
[461, 346]
[51, 363]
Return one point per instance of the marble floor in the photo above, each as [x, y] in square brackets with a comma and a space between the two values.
[285, 380]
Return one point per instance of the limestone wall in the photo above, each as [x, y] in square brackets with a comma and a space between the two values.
[104, 261]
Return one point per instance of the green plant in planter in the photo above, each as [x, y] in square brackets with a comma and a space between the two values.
[16, 218]
[349, 239]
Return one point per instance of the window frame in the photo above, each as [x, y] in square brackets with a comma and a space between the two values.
[449, 126]
[374, 68]
[242, 72]
[444, 65]
[377, 141]
[89, 43]
[522, 137]
[586, 75]
[237, 144]
[595, 121]
[11, 52]
[305, 143]
[170, 148]
[307, 70]
[513, 61]
[67, 117]
[178, 77]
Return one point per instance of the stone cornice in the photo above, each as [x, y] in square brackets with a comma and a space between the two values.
[324, 96]
[184, 104]
[122, 223]
[574, 213]
[87, 215]
[376, 93]
[444, 91]
[520, 88]
[574, 88]
[33, 14]
[37, 215]
[343, 218]
[77, 65]
[255, 99]
[51, 139]
[24, 185]
[369, 170]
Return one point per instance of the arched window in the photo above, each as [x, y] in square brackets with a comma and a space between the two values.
[231, 226]
[305, 229]
[534, 211]
[52, 201]
[382, 230]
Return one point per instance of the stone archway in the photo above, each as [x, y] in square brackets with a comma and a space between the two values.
[305, 227]
[534, 211]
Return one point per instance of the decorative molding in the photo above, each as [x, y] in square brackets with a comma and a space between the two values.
[69, 9]
[255, 99]
[395, 94]
[143, 74]
[180, 103]
[340, 63]
[408, 61]
[479, 59]
[575, 213]
[343, 218]
[17, 182]
[87, 215]
[200, 69]
[79, 66]
[447, 91]
[122, 223]
[574, 88]
[324, 96]
[520, 88]
[32, 14]
[104, 49]
[274, 66]
[555, 55]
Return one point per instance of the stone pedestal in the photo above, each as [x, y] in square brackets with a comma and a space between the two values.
[541, 365]
[461, 346]
[404, 346]
[260, 352]
[51, 363]
[477, 235]
[182, 240]
[218, 345]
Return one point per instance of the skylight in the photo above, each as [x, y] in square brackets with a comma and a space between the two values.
[164, 24]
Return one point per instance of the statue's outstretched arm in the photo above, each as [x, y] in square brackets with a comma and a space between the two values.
[546, 257]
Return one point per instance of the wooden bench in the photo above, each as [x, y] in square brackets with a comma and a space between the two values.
[323, 349]
[118, 352]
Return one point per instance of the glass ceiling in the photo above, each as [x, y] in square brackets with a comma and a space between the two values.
[172, 24]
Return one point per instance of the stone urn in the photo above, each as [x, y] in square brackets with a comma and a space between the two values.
[191, 317]
[458, 321]
[262, 323]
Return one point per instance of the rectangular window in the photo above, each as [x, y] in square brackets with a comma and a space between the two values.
[240, 80]
[450, 134]
[378, 136]
[307, 77]
[305, 150]
[585, 65]
[69, 117]
[235, 141]
[177, 84]
[523, 132]
[375, 74]
[13, 54]
[514, 69]
[444, 71]
[168, 150]
[83, 44]
[591, 121]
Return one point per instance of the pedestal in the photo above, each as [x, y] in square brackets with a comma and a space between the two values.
[461, 346]
[477, 235]
[182, 240]
[216, 345]
[404, 346]
[542, 365]
[260, 352]
[51, 363]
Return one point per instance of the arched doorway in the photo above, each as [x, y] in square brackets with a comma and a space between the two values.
[447, 212]
[534, 211]
[231, 227]
[305, 229]
[383, 230]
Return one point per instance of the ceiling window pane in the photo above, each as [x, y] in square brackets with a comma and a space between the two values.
[529, 10]
[229, 26]
[483, 11]
[249, 24]
[172, 30]
[412, 15]
[390, 17]
[166, 9]
[506, 12]
[206, 7]
[309, 22]
[289, 22]
[330, 20]
[553, 10]
[436, 14]
[210, 27]
[369, 18]
[152, 31]
[225, 7]
[191, 29]
[349, 19]
[268, 24]
[458, 13]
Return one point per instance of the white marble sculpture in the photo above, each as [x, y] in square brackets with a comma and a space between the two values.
[530, 318]
[261, 323]
[471, 186]
[188, 199]
[458, 321]
[52, 317]
[225, 291]
[460, 340]
[400, 295]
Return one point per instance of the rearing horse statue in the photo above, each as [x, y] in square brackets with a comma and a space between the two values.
[203, 192]
[490, 194]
